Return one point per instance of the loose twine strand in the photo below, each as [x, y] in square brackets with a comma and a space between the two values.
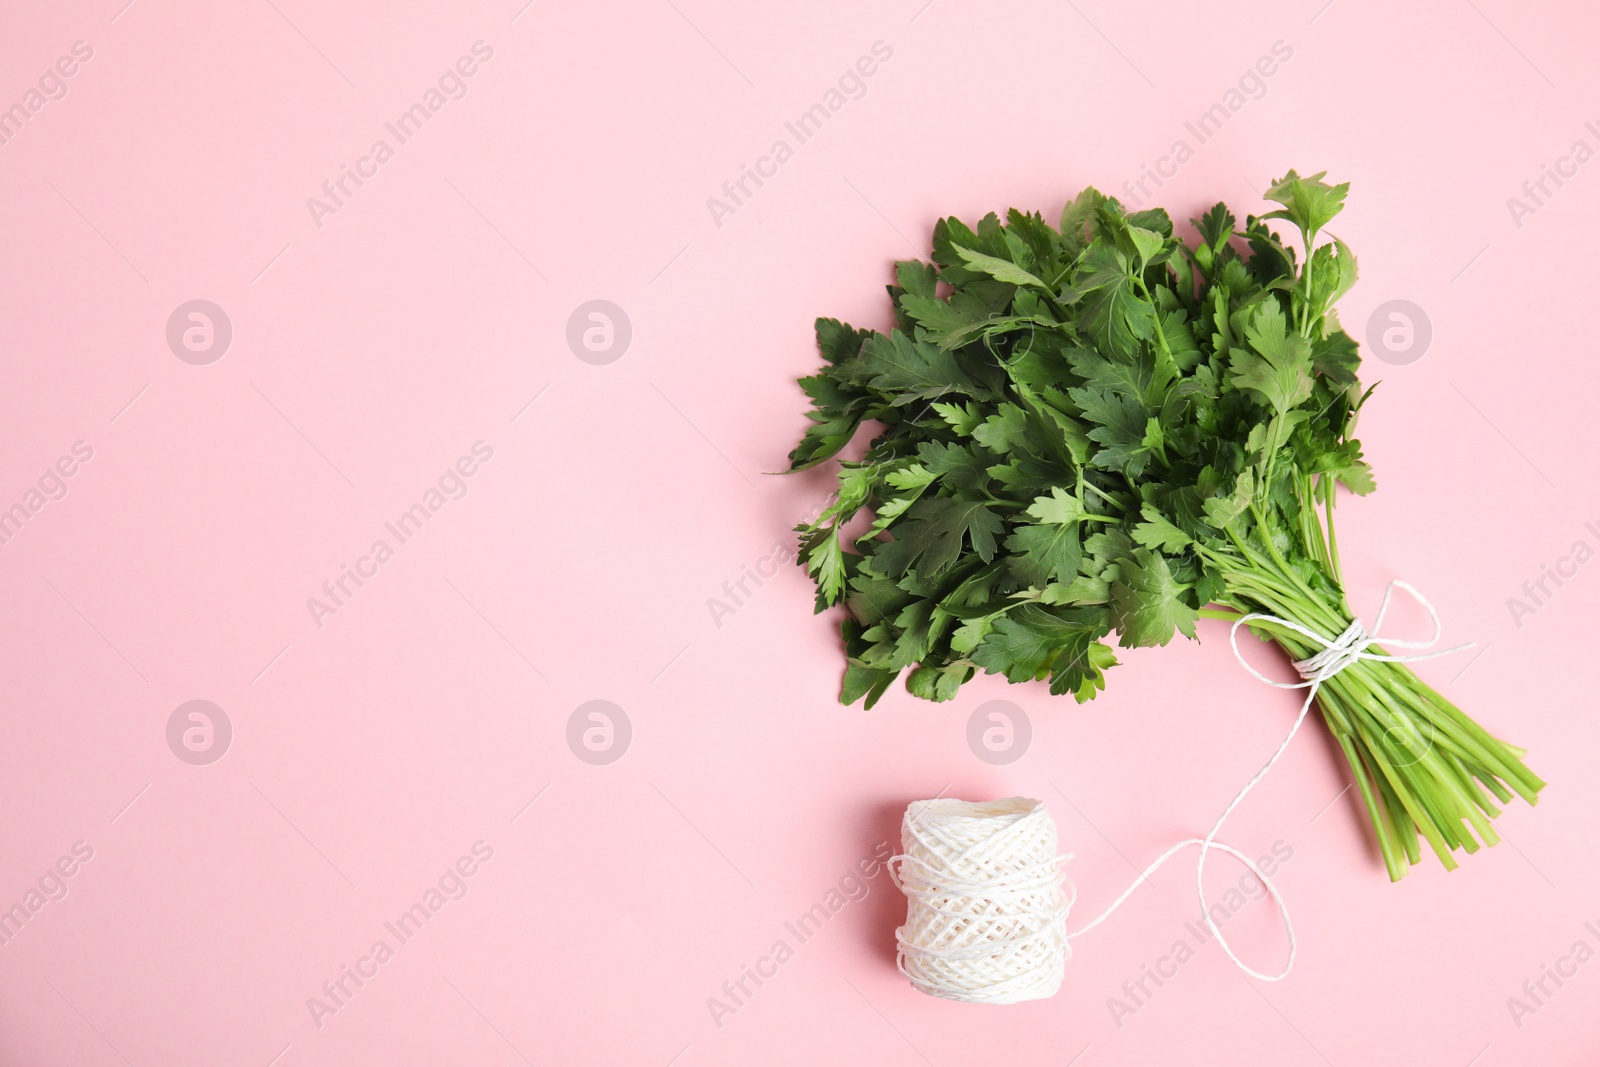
[986, 914]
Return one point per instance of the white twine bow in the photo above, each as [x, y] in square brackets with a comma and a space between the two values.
[1336, 654]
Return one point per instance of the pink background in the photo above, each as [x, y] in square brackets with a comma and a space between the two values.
[368, 354]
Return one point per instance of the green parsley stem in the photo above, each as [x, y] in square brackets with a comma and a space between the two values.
[1422, 767]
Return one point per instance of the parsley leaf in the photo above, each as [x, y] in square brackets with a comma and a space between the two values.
[1146, 602]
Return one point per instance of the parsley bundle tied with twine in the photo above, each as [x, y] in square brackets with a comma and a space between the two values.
[1103, 428]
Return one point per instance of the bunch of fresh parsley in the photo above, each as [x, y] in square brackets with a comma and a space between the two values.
[1103, 428]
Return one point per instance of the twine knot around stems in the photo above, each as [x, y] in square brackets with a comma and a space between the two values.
[1351, 645]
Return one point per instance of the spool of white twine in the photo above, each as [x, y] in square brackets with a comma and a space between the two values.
[986, 914]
